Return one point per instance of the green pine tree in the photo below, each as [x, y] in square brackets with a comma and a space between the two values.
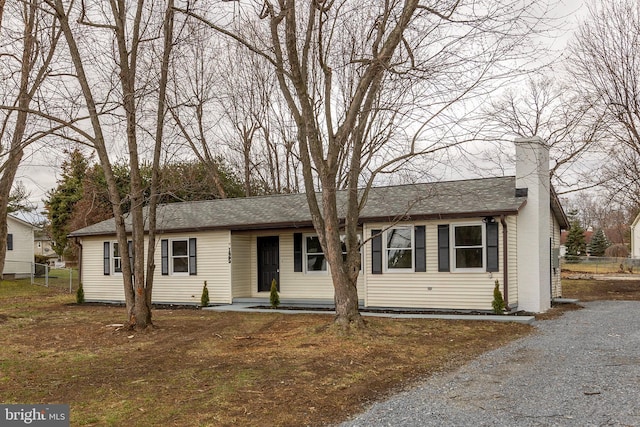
[576, 244]
[599, 243]
[204, 299]
[61, 200]
[498, 301]
[80, 294]
[274, 298]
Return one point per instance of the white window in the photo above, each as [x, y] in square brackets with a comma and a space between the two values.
[180, 256]
[399, 249]
[315, 260]
[468, 247]
[313, 255]
[117, 259]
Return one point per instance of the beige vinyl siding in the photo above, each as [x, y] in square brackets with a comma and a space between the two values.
[512, 238]
[97, 286]
[18, 261]
[432, 289]
[556, 284]
[213, 266]
[241, 265]
[212, 248]
[293, 285]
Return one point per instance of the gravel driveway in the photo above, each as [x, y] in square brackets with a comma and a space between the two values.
[582, 369]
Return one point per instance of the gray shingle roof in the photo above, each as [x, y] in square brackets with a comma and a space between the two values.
[476, 197]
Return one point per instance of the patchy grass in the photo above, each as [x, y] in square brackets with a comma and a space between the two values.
[58, 278]
[593, 290]
[598, 266]
[205, 368]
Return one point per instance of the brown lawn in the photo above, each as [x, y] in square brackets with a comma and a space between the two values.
[592, 290]
[204, 368]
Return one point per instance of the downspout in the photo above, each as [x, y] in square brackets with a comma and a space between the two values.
[505, 262]
[77, 241]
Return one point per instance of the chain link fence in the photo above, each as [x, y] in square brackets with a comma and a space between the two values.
[600, 265]
[41, 274]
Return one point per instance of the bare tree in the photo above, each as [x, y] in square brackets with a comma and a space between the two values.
[549, 108]
[605, 64]
[26, 64]
[369, 88]
[119, 84]
[261, 128]
[622, 177]
[192, 90]
[596, 210]
[226, 106]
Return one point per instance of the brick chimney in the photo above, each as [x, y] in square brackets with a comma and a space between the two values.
[534, 229]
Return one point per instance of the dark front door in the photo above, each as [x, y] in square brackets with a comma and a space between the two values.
[268, 262]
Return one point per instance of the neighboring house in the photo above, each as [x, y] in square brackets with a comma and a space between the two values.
[43, 245]
[436, 246]
[19, 257]
[635, 237]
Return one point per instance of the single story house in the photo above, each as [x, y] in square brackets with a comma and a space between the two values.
[19, 257]
[434, 246]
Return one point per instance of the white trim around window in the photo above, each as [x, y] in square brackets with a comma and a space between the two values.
[313, 258]
[116, 259]
[399, 249]
[312, 255]
[468, 247]
[179, 257]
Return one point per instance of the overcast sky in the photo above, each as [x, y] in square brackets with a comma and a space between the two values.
[41, 167]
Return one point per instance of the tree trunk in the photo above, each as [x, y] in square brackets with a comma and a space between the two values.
[10, 167]
[346, 300]
[155, 177]
[344, 283]
[345, 289]
[100, 146]
[137, 307]
[8, 175]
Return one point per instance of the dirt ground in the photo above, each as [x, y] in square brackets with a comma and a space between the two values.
[204, 368]
[221, 369]
[594, 290]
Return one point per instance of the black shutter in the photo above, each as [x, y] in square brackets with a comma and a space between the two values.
[9, 242]
[164, 257]
[130, 248]
[107, 258]
[421, 254]
[297, 252]
[193, 268]
[376, 252]
[443, 248]
[492, 246]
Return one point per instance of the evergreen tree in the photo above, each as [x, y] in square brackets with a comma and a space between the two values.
[19, 199]
[274, 298]
[498, 301]
[62, 199]
[204, 299]
[599, 243]
[576, 244]
[80, 294]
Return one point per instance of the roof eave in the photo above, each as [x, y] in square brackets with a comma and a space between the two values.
[557, 209]
[309, 224]
[438, 216]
